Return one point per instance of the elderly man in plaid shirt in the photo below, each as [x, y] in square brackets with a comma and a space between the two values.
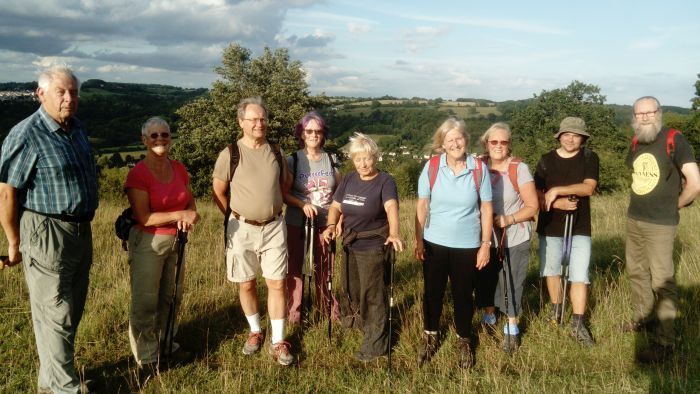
[48, 196]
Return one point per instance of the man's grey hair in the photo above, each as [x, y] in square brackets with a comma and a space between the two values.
[257, 100]
[46, 76]
[644, 98]
[153, 121]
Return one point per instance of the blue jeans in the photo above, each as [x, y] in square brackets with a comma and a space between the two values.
[551, 254]
[56, 257]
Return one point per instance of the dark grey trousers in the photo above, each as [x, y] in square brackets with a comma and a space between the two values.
[365, 303]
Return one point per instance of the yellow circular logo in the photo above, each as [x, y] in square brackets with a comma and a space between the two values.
[645, 174]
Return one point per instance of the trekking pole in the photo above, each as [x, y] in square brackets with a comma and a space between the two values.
[392, 260]
[566, 257]
[502, 259]
[329, 287]
[170, 324]
[307, 268]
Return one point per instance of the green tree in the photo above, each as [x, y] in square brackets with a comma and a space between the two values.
[209, 123]
[535, 125]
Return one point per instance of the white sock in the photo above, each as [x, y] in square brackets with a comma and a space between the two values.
[254, 322]
[277, 330]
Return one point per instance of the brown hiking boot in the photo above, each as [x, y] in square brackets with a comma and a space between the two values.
[432, 343]
[466, 353]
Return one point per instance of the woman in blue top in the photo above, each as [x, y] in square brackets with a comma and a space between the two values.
[454, 220]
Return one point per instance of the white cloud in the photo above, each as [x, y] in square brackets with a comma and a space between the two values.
[354, 27]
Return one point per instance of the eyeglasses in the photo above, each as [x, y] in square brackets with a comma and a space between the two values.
[310, 132]
[650, 114]
[155, 136]
[496, 143]
[256, 120]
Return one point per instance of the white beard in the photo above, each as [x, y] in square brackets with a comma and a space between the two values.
[646, 133]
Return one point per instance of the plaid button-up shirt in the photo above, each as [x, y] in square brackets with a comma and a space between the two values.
[52, 169]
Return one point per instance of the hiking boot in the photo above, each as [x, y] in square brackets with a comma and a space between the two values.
[511, 343]
[179, 357]
[281, 353]
[655, 353]
[466, 354]
[432, 342]
[636, 326]
[555, 314]
[253, 343]
[581, 333]
[366, 358]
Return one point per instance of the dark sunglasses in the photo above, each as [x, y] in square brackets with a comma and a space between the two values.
[161, 135]
[496, 142]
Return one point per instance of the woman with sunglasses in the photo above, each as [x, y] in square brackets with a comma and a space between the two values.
[315, 179]
[161, 200]
[513, 206]
[453, 235]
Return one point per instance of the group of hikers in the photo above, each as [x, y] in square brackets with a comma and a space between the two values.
[473, 226]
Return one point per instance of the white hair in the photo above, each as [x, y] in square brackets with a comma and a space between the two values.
[153, 121]
[46, 76]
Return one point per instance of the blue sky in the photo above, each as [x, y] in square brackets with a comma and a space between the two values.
[496, 50]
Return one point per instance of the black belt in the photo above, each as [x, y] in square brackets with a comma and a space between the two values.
[258, 223]
[65, 217]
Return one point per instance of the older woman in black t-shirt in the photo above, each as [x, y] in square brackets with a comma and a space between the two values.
[368, 200]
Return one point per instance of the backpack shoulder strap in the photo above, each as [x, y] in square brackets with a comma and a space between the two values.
[234, 159]
[433, 166]
[295, 160]
[513, 173]
[671, 142]
[478, 173]
[278, 157]
[635, 141]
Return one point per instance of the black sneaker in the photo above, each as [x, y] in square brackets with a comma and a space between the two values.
[511, 343]
[432, 343]
[466, 353]
[581, 333]
[655, 353]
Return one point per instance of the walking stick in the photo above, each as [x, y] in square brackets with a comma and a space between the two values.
[501, 250]
[566, 257]
[308, 268]
[329, 286]
[170, 324]
[392, 260]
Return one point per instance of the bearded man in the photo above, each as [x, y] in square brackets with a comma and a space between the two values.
[659, 164]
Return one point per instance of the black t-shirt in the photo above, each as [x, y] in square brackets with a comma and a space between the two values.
[656, 181]
[362, 203]
[554, 170]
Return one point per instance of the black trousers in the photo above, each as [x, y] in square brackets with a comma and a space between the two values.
[459, 265]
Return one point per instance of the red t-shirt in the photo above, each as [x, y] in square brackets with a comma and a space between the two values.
[163, 197]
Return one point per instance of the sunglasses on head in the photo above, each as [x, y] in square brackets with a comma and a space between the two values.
[496, 142]
[161, 135]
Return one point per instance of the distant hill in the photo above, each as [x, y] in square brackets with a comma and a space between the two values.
[112, 111]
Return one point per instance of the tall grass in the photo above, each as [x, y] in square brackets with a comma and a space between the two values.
[213, 327]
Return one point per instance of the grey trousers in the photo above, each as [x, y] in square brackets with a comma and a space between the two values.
[152, 264]
[365, 300]
[649, 263]
[56, 257]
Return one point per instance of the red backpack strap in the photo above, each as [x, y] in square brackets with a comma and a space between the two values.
[634, 143]
[671, 142]
[433, 166]
[478, 172]
[513, 173]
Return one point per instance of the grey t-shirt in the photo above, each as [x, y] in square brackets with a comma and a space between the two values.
[315, 183]
[506, 202]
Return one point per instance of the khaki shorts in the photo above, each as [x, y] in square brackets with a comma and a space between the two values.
[251, 248]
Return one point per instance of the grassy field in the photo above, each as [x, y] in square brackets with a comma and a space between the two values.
[213, 327]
